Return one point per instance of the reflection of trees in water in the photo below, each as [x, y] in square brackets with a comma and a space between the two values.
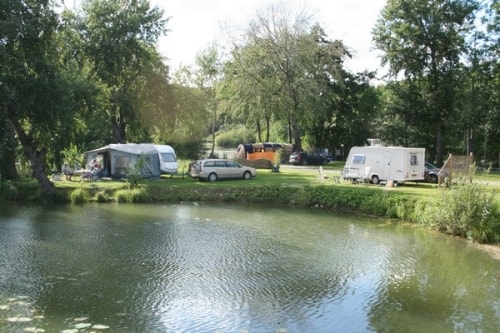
[147, 267]
[445, 288]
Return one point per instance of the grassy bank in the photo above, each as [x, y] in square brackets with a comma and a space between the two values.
[466, 210]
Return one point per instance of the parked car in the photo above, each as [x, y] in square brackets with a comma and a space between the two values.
[431, 173]
[328, 158]
[214, 169]
[303, 158]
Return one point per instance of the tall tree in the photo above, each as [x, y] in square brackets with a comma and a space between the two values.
[481, 86]
[287, 66]
[36, 96]
[118, 37]
[424, 39]
[208, 77]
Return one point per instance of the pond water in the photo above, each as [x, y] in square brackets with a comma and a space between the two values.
[235, 268]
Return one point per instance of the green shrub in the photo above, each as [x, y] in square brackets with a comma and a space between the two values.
[8, 190]
[135, 195]
[235, 136]
[79, 196]
[122, 196]
[466, 211]
[400, 207]
[101, 196]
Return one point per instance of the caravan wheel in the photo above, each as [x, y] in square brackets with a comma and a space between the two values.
[375, 180]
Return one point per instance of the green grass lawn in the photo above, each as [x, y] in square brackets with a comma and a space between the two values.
[286, 177]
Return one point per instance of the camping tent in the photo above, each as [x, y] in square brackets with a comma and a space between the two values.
[267, 151]
[117, 159]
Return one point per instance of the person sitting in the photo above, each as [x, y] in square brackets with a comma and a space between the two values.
[96, 172]
[68, 172]
[92, 164]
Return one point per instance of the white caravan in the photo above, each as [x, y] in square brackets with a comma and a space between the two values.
[377, 163]
[168, 159]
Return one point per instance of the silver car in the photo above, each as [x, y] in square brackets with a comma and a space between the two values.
[213, 169]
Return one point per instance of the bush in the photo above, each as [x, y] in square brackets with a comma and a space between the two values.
[233, 137]
[190, 150]
[8, 190]
[135, 195]
[466, 211]
[79, 196]
[101, 197]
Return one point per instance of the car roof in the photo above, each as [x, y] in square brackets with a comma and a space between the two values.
[216, 160]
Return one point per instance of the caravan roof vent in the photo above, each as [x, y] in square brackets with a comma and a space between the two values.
[375, 142]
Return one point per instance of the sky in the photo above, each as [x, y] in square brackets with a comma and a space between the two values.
[195, 24]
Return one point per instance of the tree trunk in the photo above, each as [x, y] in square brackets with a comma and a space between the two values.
[259, 131]
[439, 142]
[212, 151]
[118, 128]
[8, 153]
[31, 152]
[268, 129]
[296, 134]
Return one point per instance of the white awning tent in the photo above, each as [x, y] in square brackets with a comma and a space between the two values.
[116, 160]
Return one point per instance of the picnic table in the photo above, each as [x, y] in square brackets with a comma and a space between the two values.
[84, 174]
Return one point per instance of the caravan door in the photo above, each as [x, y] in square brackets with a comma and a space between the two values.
[386, 167]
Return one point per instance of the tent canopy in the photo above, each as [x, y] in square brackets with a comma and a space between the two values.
[117, 160]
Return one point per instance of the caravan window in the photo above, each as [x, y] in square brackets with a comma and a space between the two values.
[122, 161]
[413, 159]
[358, 159]
[121, 164]
[167, 157]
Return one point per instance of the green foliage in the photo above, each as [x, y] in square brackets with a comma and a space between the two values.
[134, 175]
[101, 196]
[286, 76]
[401, 207]
[79, 196]
[8, 190]
[189, 149]
[466, 211]
[21, 191]
[120, 37]
[183, 167]
[235, 136]
[72, 156]
[135, 195]
[424, 41]
[279, 157]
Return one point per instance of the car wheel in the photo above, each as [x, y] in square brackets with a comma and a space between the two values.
[247, 175]
[433, 179]
[212, 177]
[375, 180]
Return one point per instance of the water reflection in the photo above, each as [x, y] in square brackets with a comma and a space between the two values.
[189, 268]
